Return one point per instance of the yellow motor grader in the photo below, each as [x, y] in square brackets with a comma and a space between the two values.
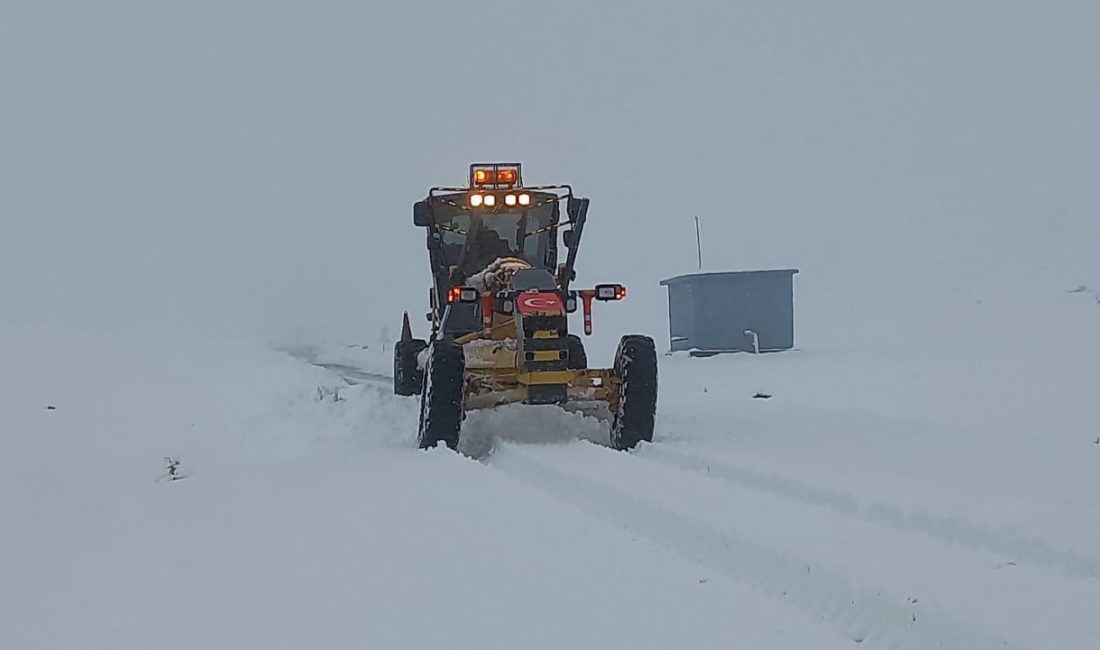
[500, 306]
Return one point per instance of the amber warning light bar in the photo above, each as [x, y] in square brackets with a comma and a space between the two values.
[495, 174]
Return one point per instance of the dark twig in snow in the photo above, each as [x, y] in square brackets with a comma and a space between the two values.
[173, 467]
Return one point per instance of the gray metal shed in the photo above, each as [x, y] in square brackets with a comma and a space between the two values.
[736, 311]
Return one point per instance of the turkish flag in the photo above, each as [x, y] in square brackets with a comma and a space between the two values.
[542, 303]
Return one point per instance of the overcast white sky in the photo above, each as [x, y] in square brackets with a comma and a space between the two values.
[253, 165]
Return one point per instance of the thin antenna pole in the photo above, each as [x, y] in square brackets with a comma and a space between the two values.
[698, 243]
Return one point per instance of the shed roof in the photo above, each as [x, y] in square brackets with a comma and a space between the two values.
[718, 274]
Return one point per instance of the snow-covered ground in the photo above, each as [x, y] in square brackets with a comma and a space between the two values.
[189, 191]
[941, 492]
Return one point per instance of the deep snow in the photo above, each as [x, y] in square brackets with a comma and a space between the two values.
[901, 495]
[179, 182]
[303, 522]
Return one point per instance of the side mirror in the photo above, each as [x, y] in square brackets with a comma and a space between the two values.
[422, 214]
[571, 208]
[567, 238]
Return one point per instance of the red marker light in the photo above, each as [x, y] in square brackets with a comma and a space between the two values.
[487, 312]
[586, 304]
[462, 294]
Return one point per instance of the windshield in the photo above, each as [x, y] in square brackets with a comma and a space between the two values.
[485, 237]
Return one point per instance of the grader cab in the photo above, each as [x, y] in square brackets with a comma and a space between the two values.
[499, 310]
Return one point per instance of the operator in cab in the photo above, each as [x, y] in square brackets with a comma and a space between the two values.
[486, 247]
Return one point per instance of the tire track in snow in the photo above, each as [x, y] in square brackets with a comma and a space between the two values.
[949, 530]
[867, 616]
[351, 374]
[355, 376]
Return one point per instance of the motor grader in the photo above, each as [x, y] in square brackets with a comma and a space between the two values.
[500, 305]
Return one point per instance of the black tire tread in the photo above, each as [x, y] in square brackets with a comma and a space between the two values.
[636, 367]
[441, 398]
[578, 359]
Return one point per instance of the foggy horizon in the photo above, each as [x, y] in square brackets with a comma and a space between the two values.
[251, 168]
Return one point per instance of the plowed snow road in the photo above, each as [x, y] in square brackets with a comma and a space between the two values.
[310, 520]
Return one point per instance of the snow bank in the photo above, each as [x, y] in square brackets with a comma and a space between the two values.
[307, 519]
